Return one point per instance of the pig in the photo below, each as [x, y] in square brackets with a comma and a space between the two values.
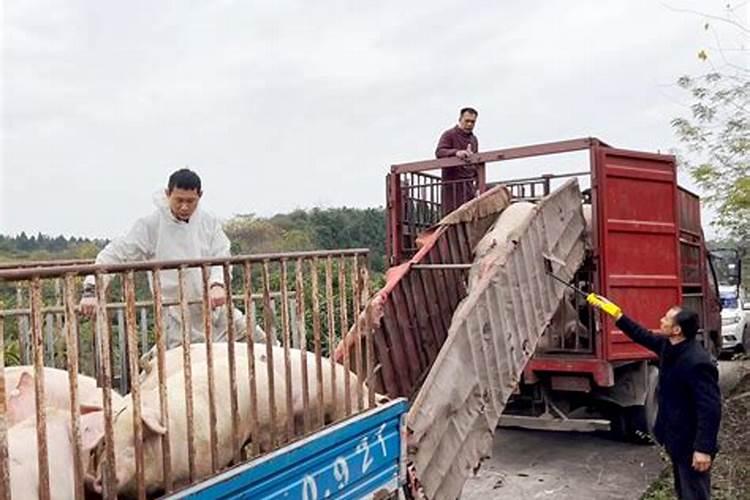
[499, 240]
[564, 327]
[334, 406]
[20, 396]
[23, 450]
[154, 428]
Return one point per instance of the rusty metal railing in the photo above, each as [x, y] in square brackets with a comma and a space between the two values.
[193, 377]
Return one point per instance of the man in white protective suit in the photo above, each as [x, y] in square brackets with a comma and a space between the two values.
[177, 230]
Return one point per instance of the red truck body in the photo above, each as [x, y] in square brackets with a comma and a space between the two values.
[647, 247]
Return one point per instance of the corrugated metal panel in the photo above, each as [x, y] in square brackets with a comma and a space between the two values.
[418, 304]
[493, 333]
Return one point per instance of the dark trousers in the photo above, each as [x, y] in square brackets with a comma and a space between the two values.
[689, 483]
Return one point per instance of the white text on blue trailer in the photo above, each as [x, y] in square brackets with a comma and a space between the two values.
[361, 457]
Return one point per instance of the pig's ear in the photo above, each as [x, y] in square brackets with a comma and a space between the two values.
[152, 420]
[92, 429]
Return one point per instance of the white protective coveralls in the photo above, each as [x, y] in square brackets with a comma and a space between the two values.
[161, 236]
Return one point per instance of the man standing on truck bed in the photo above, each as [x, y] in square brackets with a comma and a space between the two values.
[687, 423]
[177, 230]
[459, 183]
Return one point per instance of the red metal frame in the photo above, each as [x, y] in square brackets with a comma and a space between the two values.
[394, 202]
[639, 254]
[638, 209]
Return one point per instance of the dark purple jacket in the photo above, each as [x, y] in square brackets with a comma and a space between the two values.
[452, 140]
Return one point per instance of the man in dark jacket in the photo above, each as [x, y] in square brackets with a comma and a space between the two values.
[459, 183]
[687, 423]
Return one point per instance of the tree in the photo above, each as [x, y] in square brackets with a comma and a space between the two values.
[716, 135]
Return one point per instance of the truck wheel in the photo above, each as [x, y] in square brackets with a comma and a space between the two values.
[642, 418]
[618, 422]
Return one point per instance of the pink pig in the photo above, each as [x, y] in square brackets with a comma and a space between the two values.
[23, 450]
[20, 393]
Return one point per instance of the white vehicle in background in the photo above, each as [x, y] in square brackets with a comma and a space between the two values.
[734, 327]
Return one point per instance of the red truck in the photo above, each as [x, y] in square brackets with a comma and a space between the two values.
[646, 252]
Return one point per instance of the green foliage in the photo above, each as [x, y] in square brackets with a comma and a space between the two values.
[44, 247]
[332, 228]
[716, 134]
[717, 146]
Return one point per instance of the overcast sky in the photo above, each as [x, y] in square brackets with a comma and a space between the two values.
[294, 104]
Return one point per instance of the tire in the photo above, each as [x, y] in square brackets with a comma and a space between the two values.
[618, 422]
[642, 418]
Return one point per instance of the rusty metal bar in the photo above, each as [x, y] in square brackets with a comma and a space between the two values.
[132, 348]
[287, 343]
[369, 343]
[161, 346]
[439, 267]
[231, 339]
[71, 344]
[16, 274]
[187, 372]
[300, 294]
[314, 265]
[356, 298]
[41, 417]
[250, 333]
[209, 343]
[103, 349]
[124, 378]
[268, 325]
[4, 464]
[500, 154]
[344, 316]
[331, 330]
[113, 306]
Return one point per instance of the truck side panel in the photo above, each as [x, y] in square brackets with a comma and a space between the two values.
[637, 241]
[357, 458]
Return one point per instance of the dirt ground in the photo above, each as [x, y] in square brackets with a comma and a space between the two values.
[730, 479]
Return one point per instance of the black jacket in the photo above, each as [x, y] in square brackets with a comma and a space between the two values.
[689, 396]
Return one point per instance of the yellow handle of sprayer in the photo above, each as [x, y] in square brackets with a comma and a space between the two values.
[605, 305]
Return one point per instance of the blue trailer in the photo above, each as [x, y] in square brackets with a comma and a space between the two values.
[361, 457]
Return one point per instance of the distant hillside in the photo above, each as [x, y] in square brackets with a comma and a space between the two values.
[329, 228]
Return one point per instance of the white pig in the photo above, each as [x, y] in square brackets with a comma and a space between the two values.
[23, 458]
[20, 397]
[154, 428]
[334, 406]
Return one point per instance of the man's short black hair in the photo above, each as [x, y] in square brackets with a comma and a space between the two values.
[468, 110]
[185, 179]
[688, 322]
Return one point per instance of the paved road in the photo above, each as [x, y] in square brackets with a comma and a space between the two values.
[561, 466]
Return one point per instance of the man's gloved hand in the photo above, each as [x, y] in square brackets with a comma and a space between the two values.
[605, 305]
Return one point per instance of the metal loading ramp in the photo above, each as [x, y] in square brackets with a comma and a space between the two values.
[458, 351]
[493, 333]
